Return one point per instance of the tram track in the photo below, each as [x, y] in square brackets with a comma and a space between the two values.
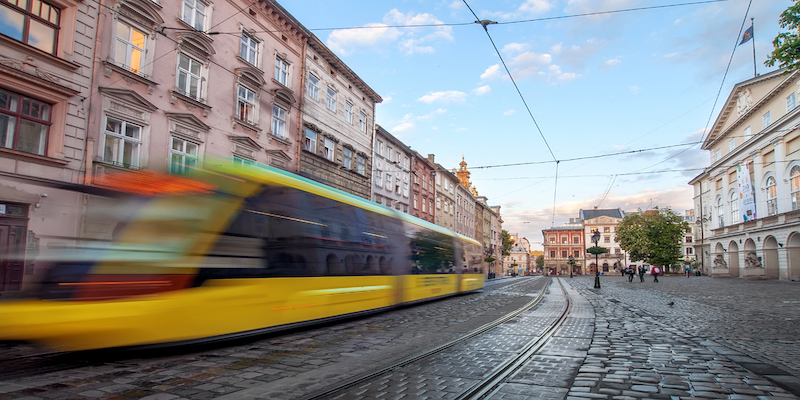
[486, 385]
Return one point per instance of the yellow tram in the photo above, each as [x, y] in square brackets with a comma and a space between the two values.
[230, 251]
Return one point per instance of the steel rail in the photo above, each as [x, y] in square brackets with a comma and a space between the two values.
[332, 391]
[509, 367]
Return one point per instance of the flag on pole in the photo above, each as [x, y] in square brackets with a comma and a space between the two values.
[748, 34]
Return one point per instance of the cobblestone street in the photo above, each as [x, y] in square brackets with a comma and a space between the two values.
[720, 338]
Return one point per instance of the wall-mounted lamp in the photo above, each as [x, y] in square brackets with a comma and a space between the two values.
[725, 250]
[780, 244]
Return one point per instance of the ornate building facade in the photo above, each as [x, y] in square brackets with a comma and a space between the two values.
[423, 191]
[446, 184]
[392, 176]
[561, 243]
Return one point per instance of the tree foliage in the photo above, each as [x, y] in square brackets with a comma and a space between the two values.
[787, 44]
[540, 261]
[507, 243]
[653, 237]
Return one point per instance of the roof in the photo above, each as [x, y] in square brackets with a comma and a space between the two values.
[608, 212]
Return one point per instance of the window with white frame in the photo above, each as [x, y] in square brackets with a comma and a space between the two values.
[242, 161]
[438, 180]
[416, 204]
[348, 112]
[313, 87]
[731, 145]
[379, 147]
[378, 178]
[278, 121]
[347, 161]
[405, 189]
[718, 154]
[734, 207]
[183, 155]
[772, 197]
[282, 71]
[794, 187]
[362, 121]
[189, 77]
[248, 49]
[130, 48]
[361, 168]
[330, 103]
[194, 13]
[24, 123]
[388, 181]
[424, 180]
[438, 202]
[122, 143]
[766, 119]
[747, 133]
[790, 103]
[431, 208]
[311, 141]
[389, 154]
[246, 105]
[405, 162]
[720, 213]
[35, 23]
[424, 204]
[329, 149]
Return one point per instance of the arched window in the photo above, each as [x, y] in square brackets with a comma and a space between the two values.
[795, 186]
[721, 212]
[734, 207]
[772, 196]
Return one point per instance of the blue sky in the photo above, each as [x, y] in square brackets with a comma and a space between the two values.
[595, 85]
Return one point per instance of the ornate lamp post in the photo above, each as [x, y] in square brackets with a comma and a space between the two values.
[596, 239]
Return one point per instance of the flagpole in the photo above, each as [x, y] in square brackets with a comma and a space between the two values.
[755, 74]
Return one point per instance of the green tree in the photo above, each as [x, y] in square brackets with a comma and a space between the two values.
[507, 243]
[787, 44]
[540, 261]
[653, 237]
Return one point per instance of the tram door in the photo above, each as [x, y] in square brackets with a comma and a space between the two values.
[12, 250]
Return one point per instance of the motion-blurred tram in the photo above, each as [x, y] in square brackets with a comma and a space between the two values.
[227, 251]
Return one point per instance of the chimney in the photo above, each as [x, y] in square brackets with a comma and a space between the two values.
[595, 207]
[430, 158]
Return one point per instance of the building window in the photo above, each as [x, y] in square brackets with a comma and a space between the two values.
[278, 121]
[379, 147]
[311, 141]
[576, 240]
[246, 105]
[772, 197]
[331, 100]
[189, 77]
[721, 213]
[182, 155]
[362, 121]
[24, 123]
[130, 53]
[405, 162]
[552, 239]
[607, 239]
[794, 177]
[389, 154]
[249, 49]
[424, 204]
[329, 149]
[313, 87]
[689, 251]
[32, 22]
[790, 103]
[122, 143]
[424, 181]
[194, 14]
[747, 133]
[348, 112]
[347, 161]
[731, 145]
[438, 202]
[576, 253]
[388, 181]
[734, 206]
[606, 229]
[416, 205]
[405, 189]
[242, 161]
[552, 254]
[378, 178]
[563, 253]
[564, 240]
[718, 155]
[281, 71]
[766, 120]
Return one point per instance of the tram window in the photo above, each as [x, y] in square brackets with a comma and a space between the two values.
[431, 253]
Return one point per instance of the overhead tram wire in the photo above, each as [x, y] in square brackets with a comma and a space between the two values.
[721, 85]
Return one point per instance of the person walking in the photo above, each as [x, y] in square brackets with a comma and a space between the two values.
[656, 272]
[641, 273]
[631, 273]
[688, 271]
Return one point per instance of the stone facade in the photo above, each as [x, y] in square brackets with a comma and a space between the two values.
[754, 148]
[338, 123]
[45, 87]
[605, 221]
[392, 176]
[446, 184]
[559, 244]
[423, 191]
[465, 212]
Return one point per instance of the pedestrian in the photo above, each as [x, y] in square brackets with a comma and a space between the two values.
[631, 273]
[656, 272]
[641, 273]
[688, 271]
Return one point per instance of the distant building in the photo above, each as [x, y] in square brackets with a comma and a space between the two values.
[747, 201]
[519, 258]
[561, 243]
[446, 183]
[604, 221]
[391, 184]
[423, 191]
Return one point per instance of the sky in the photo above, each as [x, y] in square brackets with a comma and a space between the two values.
[613, 104]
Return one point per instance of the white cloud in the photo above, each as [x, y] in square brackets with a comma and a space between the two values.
[387, 100]
[432, 114]
[403, 127]
[409, 40]
[456, 5]
[449, 96]
[530, 64]
[528, 7]
[492, 72]
[480, 91]
[509, 112]
[516, 48]
[612, 62]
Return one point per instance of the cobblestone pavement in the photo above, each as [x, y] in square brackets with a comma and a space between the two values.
[720, 338]
[287, 365]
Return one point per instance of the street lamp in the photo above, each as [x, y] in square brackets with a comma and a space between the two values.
[700, 221]
[596, 239]
[571, 265]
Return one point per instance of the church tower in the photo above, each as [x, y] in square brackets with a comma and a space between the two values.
[463, 174]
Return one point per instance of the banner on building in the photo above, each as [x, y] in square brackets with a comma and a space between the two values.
[747, 203]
